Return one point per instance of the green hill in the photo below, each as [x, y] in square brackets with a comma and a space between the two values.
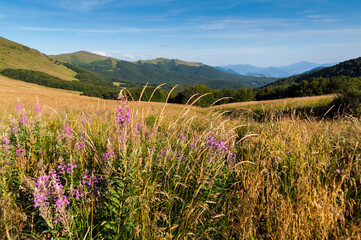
[81, 57]
[16, 56]
[161, 70]
[350, 68]
[23, 63]
[323, 81]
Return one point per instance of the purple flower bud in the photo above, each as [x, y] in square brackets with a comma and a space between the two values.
[19, 106]
[15, 130]
[68, 130]
[38, 109]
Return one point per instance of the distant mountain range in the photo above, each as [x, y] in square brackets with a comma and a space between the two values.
[277, 72]
[350, 68]
[162, 70]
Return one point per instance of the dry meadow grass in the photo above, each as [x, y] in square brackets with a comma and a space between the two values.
[195, 176]
[72, 102]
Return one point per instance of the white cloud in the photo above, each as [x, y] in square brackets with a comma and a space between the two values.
[321, 18]
[128, 56]
[105, 54]
[135, 57]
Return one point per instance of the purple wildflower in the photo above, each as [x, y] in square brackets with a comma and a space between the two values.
[219, 146]
[24, 119]
[19, 106]
[79, 145]
[137, 127]
[19, 152]
[68, 130]
[6, 140]
[38, 109]
[231, 156]
[15, 129]
[109, 156]
[123, 113]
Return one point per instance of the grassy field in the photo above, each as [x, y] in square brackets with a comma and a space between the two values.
[74, 167]
[69, 102]
[261, 110]
[17, 56]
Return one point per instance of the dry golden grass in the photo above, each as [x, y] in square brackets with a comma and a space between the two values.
[69, 101]
[279, 103]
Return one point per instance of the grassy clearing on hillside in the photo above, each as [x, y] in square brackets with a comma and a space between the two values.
[82, 168]
[301, 106]
[65, 102]
[17, 56]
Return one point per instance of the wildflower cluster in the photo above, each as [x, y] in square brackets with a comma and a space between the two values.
[66, 168]
[24, 119]
[221, 147]
[19, 106]
[218, 146]
[109, 156]
[38, 108]
[5, 148]
[68, 129]
[86, 185]
[50, 199]
[123, 113]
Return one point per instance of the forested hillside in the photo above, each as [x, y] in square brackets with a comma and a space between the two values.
[324, 81]
[158, 71]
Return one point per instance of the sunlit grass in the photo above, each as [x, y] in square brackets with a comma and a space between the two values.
[136, 170]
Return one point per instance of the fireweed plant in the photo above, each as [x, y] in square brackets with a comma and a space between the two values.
[126, 175]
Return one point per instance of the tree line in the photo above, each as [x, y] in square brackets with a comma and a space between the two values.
[94, 85]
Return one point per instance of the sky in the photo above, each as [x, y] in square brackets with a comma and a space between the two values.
[216, 32]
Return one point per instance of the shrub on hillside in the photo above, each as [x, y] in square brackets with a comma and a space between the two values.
[349, 99]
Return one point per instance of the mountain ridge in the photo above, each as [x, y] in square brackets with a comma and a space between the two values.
[161, 70]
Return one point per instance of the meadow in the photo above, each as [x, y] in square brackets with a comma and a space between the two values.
[75, 167]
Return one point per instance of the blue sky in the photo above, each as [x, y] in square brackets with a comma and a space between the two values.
[257, 32]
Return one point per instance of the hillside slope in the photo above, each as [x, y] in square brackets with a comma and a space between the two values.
[327, 80]
[80, 57]
[17, 56]
[161, 70]
[350, 68]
